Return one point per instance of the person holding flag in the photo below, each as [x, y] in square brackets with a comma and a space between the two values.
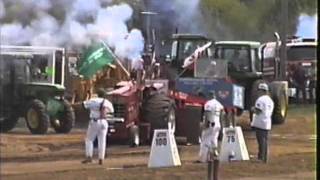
[98, 126]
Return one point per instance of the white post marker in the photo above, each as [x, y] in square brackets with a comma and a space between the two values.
[233, 146]
[164, 151]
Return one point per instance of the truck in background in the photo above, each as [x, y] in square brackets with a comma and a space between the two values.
[301, 53]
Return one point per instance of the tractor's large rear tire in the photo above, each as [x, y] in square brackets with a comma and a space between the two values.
[193, 120]
[280, 108]
[159, 110]
[65, 121]
[37, 118]
[7, 122]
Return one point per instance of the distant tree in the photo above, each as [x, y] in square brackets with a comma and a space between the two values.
[251, 19]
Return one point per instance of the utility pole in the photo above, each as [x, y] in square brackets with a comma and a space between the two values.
[283, 36]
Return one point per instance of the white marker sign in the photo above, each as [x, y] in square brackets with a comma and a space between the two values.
[164, 151]
[233, 146]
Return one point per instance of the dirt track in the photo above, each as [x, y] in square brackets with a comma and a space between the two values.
[292, 148]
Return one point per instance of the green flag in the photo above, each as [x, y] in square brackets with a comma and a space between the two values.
[94, 59]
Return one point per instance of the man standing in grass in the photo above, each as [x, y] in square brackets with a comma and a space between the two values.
[261, 123]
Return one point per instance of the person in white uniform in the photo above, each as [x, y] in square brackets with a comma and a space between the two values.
[209, 136]
[98, 125]
[261, 122]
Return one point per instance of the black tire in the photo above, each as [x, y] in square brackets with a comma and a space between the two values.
[157, 110]
[7, 122]
[254, 95]
[36, 117]
[65, 121]
[239, 112]
[167, 122]
[134, 139]
[192, 118]
[280, 108]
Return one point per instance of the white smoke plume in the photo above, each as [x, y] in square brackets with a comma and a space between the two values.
[130, 46]
[15, 34]
[181, 14]
[70, 23]
[2, 9]
[188, 14]
[82, 9]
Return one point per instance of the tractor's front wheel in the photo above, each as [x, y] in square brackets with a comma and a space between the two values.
[36, 117]
[64, 121]
[280, 108]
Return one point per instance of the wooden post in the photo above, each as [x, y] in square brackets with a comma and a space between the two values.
[213, 165]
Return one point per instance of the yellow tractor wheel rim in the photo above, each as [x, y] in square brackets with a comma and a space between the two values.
[33, 118]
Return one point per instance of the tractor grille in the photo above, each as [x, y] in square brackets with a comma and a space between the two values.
[119, 110]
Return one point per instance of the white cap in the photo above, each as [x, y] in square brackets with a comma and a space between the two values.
[263, 86]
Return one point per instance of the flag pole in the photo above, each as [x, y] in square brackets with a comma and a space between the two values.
[116, 59]
[201, 49]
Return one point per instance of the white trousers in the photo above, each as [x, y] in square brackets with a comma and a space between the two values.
[209, 140]
[98, 129]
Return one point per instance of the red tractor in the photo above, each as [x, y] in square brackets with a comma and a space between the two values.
[139, 109]
[215, 68]
[176, 101]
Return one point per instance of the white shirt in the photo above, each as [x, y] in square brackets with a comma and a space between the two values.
[94, 106]
[263, 119]
[215, 108]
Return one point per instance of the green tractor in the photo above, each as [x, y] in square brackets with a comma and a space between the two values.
[248, 68]
[32, 86]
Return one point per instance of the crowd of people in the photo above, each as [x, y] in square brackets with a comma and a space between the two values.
[303, 83]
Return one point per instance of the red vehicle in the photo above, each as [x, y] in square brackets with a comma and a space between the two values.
[301, 54]
[139, 109]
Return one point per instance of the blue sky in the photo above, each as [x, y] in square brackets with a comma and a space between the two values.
[307, 27]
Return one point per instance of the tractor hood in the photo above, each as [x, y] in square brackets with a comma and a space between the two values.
[42, 90]
[57, 87]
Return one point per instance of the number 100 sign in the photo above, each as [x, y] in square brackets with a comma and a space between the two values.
[161, 139]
